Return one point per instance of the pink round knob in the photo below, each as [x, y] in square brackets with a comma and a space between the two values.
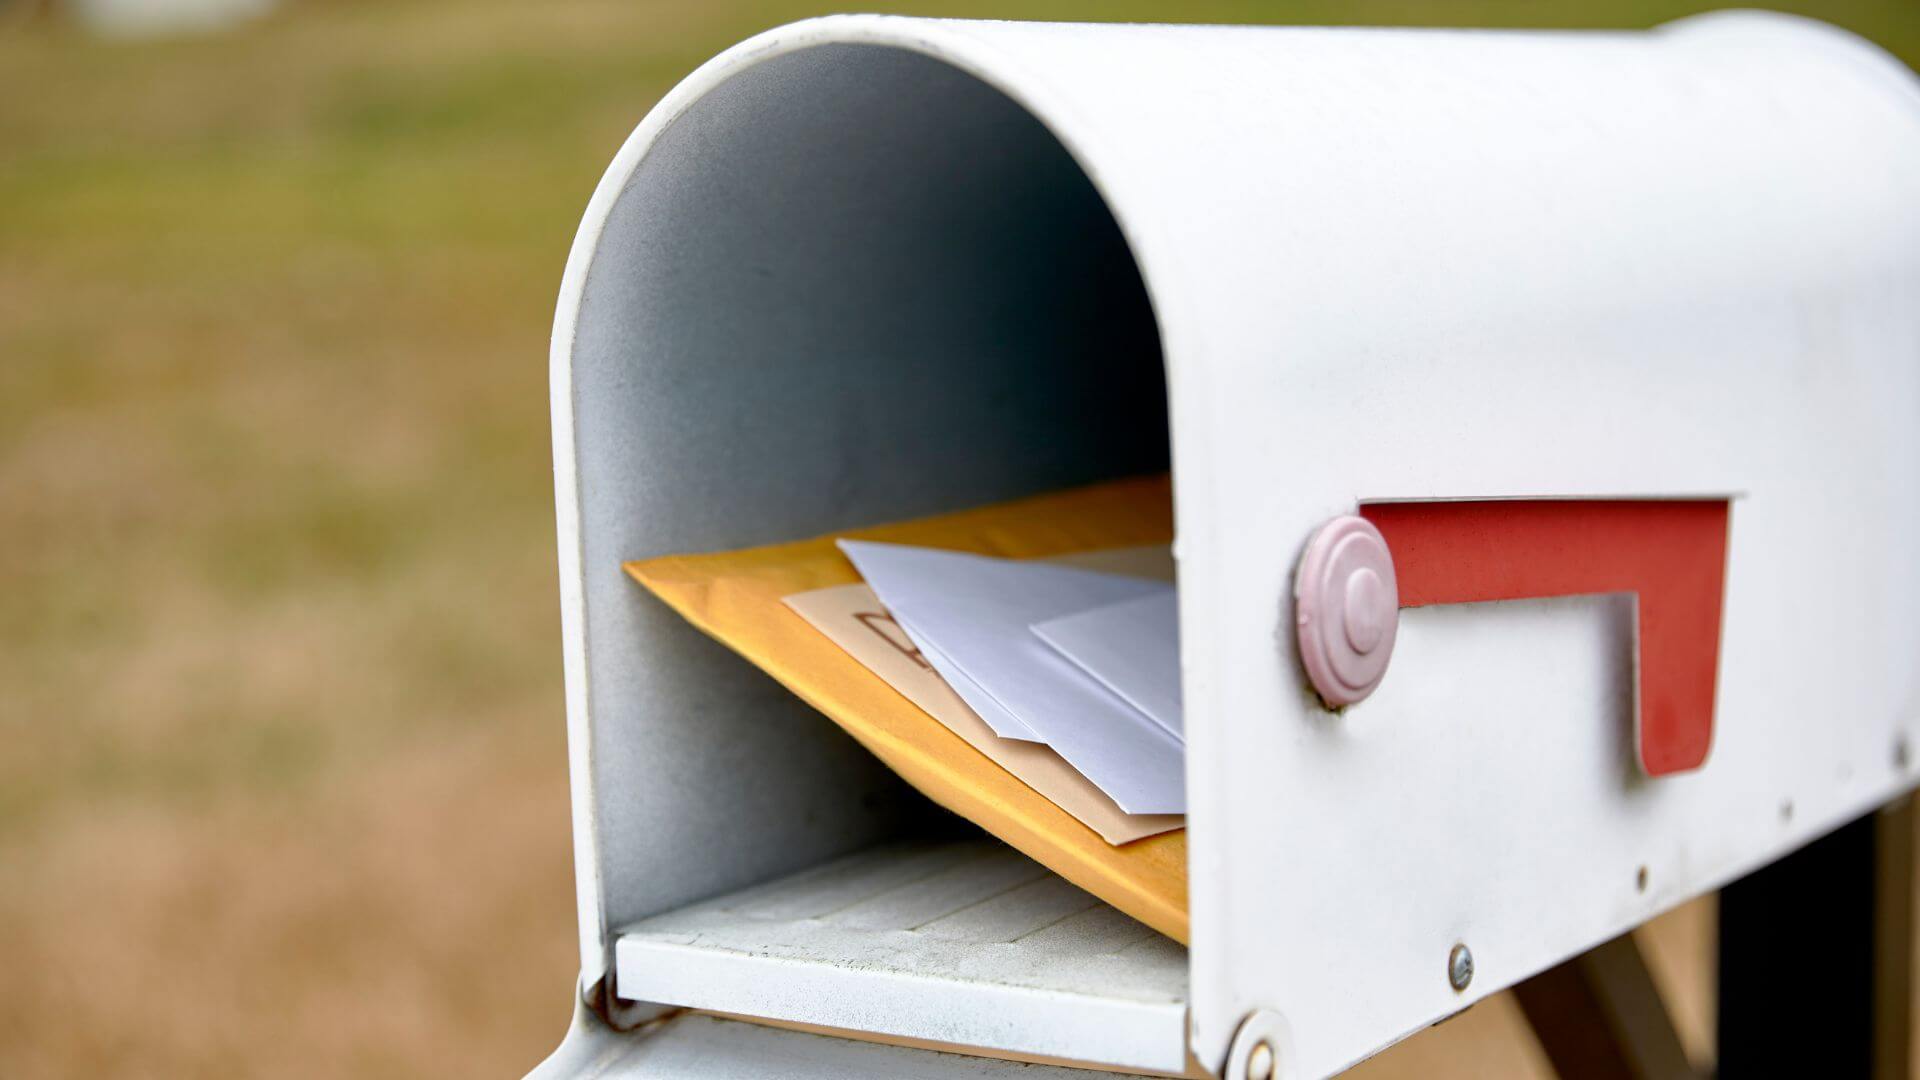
[1346, 607]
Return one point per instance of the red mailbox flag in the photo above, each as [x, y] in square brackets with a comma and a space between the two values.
[1671, 554]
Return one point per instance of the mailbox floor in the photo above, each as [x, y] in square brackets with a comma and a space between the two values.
[966, 943]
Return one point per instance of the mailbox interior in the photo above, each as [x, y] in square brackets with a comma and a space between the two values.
[845, 285]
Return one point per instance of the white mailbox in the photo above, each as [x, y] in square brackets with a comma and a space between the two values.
[865, 268]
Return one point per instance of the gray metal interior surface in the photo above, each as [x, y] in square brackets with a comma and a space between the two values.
[851, 284]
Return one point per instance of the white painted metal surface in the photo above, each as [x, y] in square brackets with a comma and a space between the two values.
[697, 1047]
[1457, 266]
[863, 268]
[969, 944]
[682, 423]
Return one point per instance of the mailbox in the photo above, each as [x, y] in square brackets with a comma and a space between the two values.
[860, 269]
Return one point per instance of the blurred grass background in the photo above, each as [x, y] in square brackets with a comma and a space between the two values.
[282, 763]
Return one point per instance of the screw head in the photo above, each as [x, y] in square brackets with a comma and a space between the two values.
[1460, 967]
[1260, 1062]
[1257, 1047]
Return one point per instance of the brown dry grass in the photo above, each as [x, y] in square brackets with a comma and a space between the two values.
[282, 775]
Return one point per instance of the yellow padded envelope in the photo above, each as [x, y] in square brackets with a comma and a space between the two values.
[736, 597]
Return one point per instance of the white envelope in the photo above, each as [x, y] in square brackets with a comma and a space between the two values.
[1003, 722]
[971, 617]
[851, 616]
[1132, 648]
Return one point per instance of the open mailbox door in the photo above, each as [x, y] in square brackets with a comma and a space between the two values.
[1612, 341]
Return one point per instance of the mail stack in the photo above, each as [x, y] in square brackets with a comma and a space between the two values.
[1018, 663]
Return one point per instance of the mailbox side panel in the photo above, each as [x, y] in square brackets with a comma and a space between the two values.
[1394, 265]
[1413, 266]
